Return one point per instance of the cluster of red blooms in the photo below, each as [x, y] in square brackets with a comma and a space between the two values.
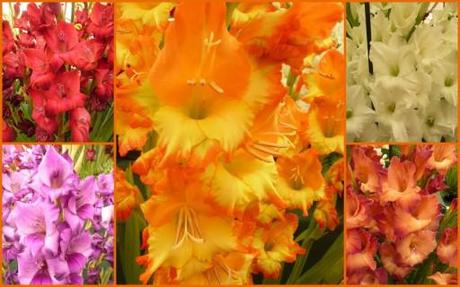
[63, 70]
[394, 214]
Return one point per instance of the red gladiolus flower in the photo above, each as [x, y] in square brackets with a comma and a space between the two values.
[68, 67]
[38, 60]
[47, 122]
[26, 40]
[61, 38]
[7, 38]
[85, 55]
[64, 94]
[104, 83]
[80, 121]
[39, 18]
[101, 21]
[8, 133]
[82, 18]
[436, 184]
[13, 65]
[43, 136]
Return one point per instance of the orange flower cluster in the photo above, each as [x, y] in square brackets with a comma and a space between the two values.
[244, 101]
[394, 212]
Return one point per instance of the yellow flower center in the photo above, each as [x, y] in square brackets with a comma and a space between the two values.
[296, 178]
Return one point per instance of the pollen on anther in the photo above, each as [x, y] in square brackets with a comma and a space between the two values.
[216, 87]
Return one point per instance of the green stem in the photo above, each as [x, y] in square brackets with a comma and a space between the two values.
[73, 12]
[312, 233]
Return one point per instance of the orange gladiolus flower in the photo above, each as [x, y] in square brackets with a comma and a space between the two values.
[301, 182]
[127, 196]
[274, 244]
[183, 226]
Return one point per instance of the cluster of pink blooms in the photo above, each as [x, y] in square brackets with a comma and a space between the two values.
[394, 214]
[57, 226]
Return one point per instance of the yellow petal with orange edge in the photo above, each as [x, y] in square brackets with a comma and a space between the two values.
[218, 237]
[147, 13]
[239, 181]
[132, 121]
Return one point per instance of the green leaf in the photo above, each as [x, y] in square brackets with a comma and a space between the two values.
[312, 233]
[129, 248]
[328, 160]
[353, 21]
[329, 269]
[451, 178]
[21, 137]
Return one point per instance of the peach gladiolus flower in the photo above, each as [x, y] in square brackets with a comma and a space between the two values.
[392, 261]
[422, 215]
[444, 156]
[447, 247]
[444, 278]
[361, 248]
[415, 247]
[367, 171]
[401, 185]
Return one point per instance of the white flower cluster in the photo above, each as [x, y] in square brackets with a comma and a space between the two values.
[410, 91]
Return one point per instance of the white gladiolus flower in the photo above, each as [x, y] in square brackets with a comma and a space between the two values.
[409, 93]
[359, 112]
[403, 16]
